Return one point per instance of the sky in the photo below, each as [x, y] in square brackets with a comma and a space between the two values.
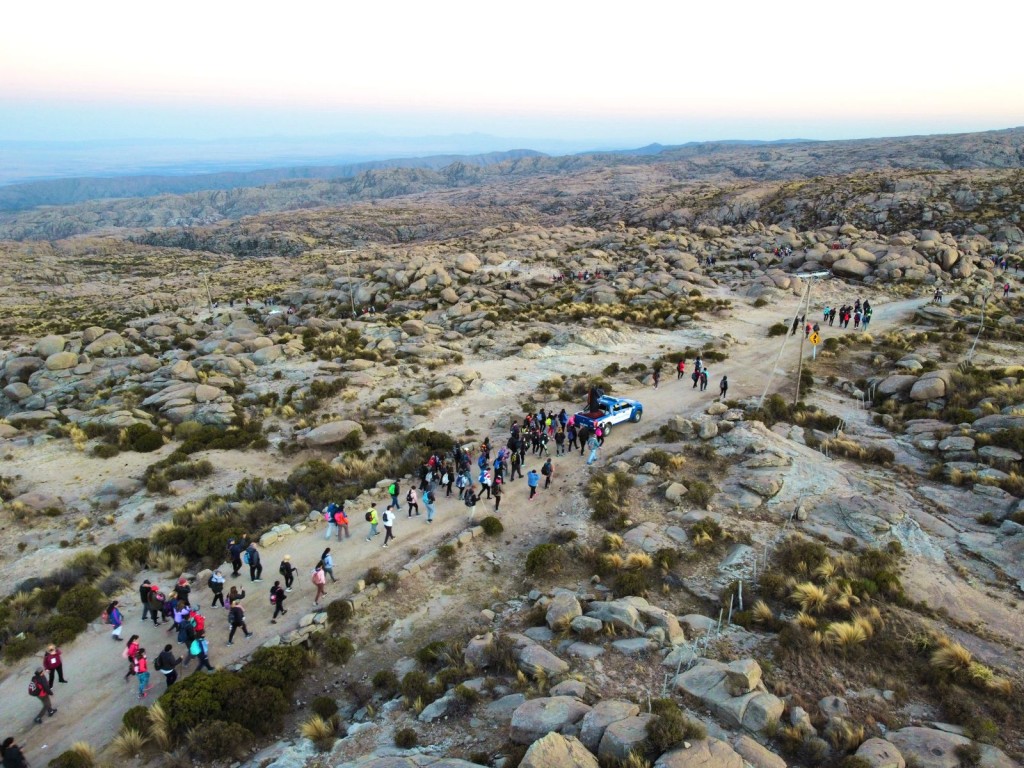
[575, 74]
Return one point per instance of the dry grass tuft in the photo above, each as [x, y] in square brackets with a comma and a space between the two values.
[810, 597]
[952, 657]
[761, 612]
[845, 635]
[638, 561]
[320, 731]
[128, 743]
[85, 755]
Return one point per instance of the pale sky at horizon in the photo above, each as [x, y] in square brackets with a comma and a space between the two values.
[611, 73]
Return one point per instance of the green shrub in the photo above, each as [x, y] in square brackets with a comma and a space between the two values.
[446, 553]
[338, 649]
[386, 680]
[62, 629]
[105, 451]
[416, 686]
[145, 441]
[430, 652]
[82, 601]
[338, 614]
[670, 727]
[636, 583]
[778, 329]
[324, 706]
[545, 558]
[219, 741]
[406, 738]
[492, 526]
[280, 667]
[699, 493]
[19, 647]
[136, 719]
[72, 759]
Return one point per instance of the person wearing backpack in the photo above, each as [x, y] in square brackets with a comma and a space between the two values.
[329, 511]
[277, 598]
[167, 663]
[40, 689]
[469, 498]
[320, 582]
[142, 671]
[235, 549]
[200, 648]
[462, 482]
[341, 522]
[114, 618]
[287, 570]
[252, 559]
[236, 618]
[547, 470]
[388, 518]
[413, 502]
[428, 501]
[485, 483]
[216, 584]
[156, 604]
[371, 518]
[131, 651]
[496, 493]
[394, 490]
[327, 560]
[448, 479]
[532, 480]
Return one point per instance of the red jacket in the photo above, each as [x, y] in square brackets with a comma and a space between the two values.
[51, 660]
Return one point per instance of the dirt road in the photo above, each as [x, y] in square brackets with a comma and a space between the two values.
[91, 705]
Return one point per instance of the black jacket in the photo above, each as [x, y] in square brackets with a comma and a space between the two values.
[144, 591]
[236, 615]
[254, 556]
[44, 686]
[167, 661]
[13, 758]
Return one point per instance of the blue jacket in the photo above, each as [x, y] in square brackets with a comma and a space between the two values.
[532, 478]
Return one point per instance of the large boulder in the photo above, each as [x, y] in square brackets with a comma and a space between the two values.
[932, 385]
[622, 737]
[207, 394]
[108, 345]
[331, 433]
[704, 753]
[537, 660]
[600, 717]
[851, 267]
[20, 368]
[757, 755]
[467, 262]
[557, 751]
[61, 361]
[710, 682]
[619, 613]
[50, 345]
[879, 753]
[537, 718]
[563, 608]
[18, 391]
[896, 384]
[937, 749]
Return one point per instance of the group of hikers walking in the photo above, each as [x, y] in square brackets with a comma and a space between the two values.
[699, 376]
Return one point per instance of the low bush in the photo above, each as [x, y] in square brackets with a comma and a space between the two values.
[670, 727]
[338, 614]
[338, 649]
[324, 706]
[406, 738]
[84, 602]
[547, 558]
[387, 681]
[699, 493]
[136, 719]
[81, 755]
[219, 741]
[778, 329]
[492, 526]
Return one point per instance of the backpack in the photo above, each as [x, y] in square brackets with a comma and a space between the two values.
[199, 622]
[245, 557]
[391, 489]
[339, 518]
[408, 496]
[430, 497]
[211, 582]
[445, 479]
[195, 649]
[273, 597]
[161, 597]
[470, 499]
[546, 469]
[34, 688]
[369, 517]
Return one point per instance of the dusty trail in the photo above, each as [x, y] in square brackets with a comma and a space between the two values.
[91, 705]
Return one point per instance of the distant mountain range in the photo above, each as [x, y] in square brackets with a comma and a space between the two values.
[66, 191]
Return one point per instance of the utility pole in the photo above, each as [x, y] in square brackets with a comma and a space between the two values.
[984, 307]
[800, 367]
[209, 295]
[771, 373]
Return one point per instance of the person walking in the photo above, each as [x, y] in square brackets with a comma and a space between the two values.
[570, 435]
[371, 518]
[115, 619]
[277, 597]
[319, 580]
[236, 618]
[235, 549]
[12, 754]
[216, 585]
[485, 483]
[680, 369]
[200, 648]
[428, 501]
[329, 511]
[40, 689]
[52, 663]
[131, 652]
[657, 376]
[144, 590]
[412, 500]
[394, 490]
[516, 463]
[287, 570]
[252, 559]
[183, 591]
[1006, 291]
[341, 521]
[167, 663]
[724, 386]
[448, 479]
[327, 561]
[156, 604]
[695, 376]
[532, 480]
[388, 518]
[704, 380]
[594, 445]
[142, 671]
[496, 493]
[560, 442]
[547, 470]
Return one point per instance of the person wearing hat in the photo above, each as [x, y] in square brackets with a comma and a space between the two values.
[144, 589]
[156, 604]
[11, 753]
[53, 664]
[183, 590]
[39, 688]
[287, 570]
